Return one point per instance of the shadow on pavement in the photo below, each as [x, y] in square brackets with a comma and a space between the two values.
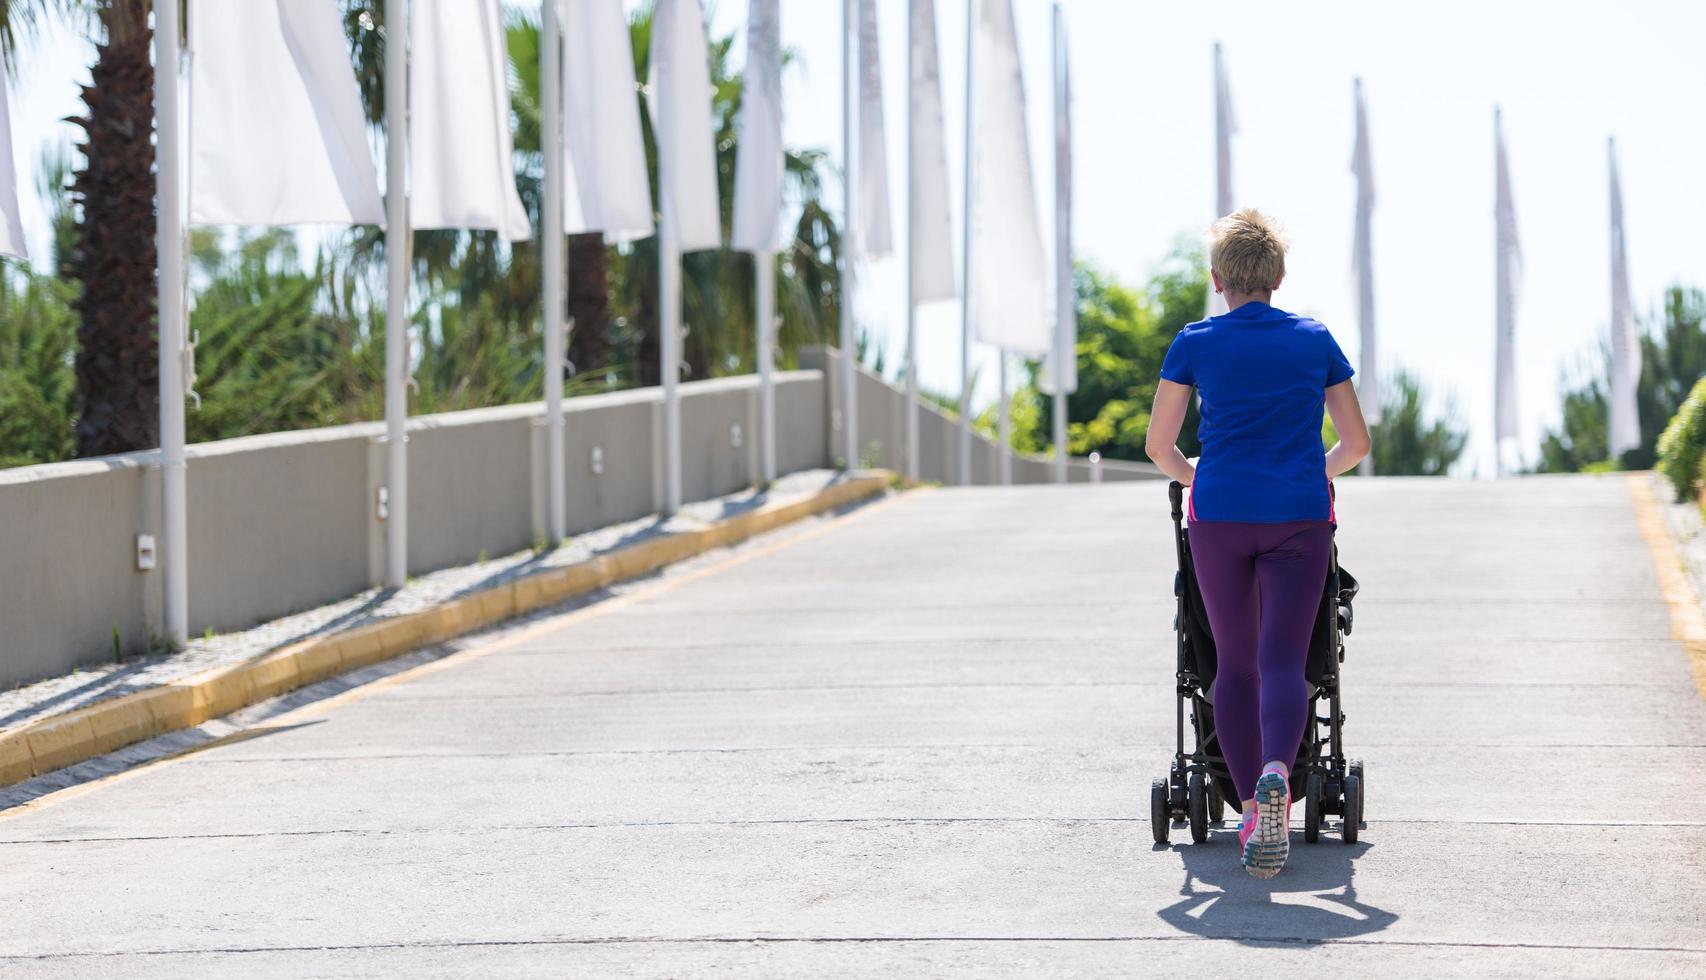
[1313, 899]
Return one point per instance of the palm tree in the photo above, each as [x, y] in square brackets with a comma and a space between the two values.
[717, 299]
[113, 191]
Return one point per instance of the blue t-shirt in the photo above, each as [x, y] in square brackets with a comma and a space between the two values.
[1263, 375]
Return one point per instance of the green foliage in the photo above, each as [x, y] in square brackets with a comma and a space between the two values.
[947, 404]
[1408, 443]
[1673, 357]
[1682, 445]
[1025, 416]
[276, 352]
[38, 339]
[1123, 335]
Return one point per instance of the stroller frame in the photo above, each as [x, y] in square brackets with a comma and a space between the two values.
[1198, 784]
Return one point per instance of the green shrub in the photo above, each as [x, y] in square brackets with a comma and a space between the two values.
[1701, 502]
[1683, 443]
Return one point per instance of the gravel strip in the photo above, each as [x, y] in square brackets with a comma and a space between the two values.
[90, 685]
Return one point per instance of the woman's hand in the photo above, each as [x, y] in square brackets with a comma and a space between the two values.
[1165, 421]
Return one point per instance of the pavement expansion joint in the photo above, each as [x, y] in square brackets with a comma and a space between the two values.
[870, 747]
[1241, 939]
[1220, 830]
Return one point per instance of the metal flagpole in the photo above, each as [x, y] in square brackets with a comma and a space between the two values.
[849, 240]
[758, 201]
[169, 243]
[966, 257]
[765, 265]
[555, 274]
[669, 343]
[1224, 127]
[1625, 428]
[1060, 432]
[1507, 256]
[1063, 346]
[397, 294]
[1004, 452]
[911, 247]
[1363, 263]
[669, 302]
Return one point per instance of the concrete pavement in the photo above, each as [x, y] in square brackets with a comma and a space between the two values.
[920, 744]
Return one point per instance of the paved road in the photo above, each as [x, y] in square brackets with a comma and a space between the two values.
[919, 743]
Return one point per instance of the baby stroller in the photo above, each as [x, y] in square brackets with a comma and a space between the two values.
[1198, 785]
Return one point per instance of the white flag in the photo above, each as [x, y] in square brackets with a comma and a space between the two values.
[608, 189]
[1625, 339]
[758, 167]
[1225, 127]
[1009, 296]
[276, 129]
[1508, 282]
[11, 225]
[932, 228]
[461, 154]
[876, 225]
[1060, 368]
[1362, 263]
[681, 120]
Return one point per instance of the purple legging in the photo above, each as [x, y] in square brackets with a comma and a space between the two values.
[1262, 585]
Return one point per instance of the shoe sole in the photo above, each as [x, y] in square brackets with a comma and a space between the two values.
[1268, 847]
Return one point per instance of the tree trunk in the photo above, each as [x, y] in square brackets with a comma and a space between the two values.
[700, 334]
[589, 303]
[647, 336]
[114, 256]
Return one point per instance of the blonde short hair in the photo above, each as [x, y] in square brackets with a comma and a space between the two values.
[1246, 249]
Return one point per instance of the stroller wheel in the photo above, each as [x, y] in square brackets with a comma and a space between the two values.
[1362, 785]
[1353, 808]
[1159, 818]
[1312, 808]
[1216, 803]
[1196, 803]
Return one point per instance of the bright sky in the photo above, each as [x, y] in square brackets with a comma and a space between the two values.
[1142, 82]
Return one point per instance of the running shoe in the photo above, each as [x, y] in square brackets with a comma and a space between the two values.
[1268, 840]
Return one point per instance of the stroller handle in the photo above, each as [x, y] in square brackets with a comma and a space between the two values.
[1176, 494]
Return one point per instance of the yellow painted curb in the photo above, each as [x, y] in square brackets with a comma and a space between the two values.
[360, 647]
[317, 661]
[1687, 620]
[61, 740]
[274, 674]
[16, 762]
[123, 721]
[172, 707]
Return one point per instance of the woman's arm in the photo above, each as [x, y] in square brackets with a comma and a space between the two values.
[1346, 413]
[1165, 421]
